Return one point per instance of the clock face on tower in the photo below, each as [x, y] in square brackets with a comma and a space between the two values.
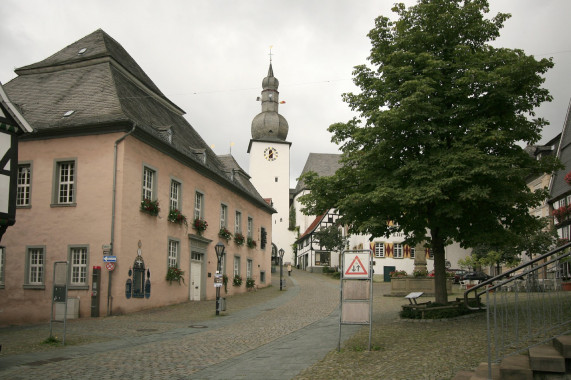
[270, 153]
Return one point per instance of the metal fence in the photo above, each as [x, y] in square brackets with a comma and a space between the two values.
[526, 306]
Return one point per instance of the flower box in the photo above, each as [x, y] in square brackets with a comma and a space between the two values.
[200, 225]
[239, 238]
[224, 233]
[251, 243]
[150, 207]
[176, 216]
[404, 285]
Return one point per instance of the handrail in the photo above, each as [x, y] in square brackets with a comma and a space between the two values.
[509, 272]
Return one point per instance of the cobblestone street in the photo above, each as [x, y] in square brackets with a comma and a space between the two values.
[265, 334]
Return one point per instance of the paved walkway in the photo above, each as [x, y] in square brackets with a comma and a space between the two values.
[265, 334]
[274, 335]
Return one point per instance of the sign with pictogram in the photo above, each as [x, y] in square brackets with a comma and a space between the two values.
[356, 265]
[356, 306]
[110, 266]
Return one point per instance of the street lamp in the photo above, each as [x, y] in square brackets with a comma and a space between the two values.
[281, 252]
[219, 248]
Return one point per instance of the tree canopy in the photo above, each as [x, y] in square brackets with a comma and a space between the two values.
[435, 148]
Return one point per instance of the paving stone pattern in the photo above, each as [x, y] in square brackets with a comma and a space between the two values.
[266, 334]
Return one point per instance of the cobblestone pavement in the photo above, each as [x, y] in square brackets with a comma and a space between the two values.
[265, 334]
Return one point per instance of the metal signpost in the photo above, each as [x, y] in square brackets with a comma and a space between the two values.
[356, 306]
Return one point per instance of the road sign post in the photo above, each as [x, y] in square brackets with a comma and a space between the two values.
[356, 306]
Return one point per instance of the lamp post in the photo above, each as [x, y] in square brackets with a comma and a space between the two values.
[281, 252]
[219, 248]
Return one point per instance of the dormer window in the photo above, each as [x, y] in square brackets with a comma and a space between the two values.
[166, 133]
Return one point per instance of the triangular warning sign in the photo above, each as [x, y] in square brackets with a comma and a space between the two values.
[356, 268]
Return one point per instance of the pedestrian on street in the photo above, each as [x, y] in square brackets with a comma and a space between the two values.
[289, 269]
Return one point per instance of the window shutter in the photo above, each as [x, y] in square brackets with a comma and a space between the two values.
[389, 250]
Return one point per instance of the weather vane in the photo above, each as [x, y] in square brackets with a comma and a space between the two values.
[271, 46]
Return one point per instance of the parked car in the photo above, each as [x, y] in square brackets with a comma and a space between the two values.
[458, 274]
[481, 276]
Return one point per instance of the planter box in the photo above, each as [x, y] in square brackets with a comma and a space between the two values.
[400, 287]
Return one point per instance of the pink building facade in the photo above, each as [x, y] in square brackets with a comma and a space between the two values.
[82, 180]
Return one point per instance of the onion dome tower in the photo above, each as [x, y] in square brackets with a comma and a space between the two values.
[269, 124]
[270, 164]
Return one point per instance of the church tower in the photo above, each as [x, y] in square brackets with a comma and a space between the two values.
[269, 162]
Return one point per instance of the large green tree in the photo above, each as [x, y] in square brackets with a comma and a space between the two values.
[436, 147]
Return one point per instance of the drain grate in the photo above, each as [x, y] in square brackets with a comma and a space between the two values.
[198, 326]
[146, 330]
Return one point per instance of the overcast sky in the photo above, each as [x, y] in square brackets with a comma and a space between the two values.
[210, 56]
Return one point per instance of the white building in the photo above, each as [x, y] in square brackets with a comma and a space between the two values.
[270, 164]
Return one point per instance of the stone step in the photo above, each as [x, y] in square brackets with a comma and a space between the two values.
[563, 345]
[546, 358]
[516, 367]
[463, 375]
[481, 372]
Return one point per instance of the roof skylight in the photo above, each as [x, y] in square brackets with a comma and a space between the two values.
[81, 51]
[68, 113]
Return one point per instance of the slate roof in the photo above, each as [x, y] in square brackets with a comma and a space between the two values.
[558, 185]
[312, 226]
[108, 92]
[324, 164]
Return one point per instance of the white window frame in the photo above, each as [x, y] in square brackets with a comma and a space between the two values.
[379, 249]
[412, 252]
[35, 267]
[223, 215]
[65, 177]
[238, 222]
[250, 227]
[24, 187]
[236, 266]
[198, 205]
[398, 250]
[249, 266]
[174, 195]
[430, 254]
[173, 253]
[78, 266]
[149, 183]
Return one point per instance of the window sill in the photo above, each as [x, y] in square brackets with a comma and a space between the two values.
[23, 207]
[34, 287]
[78, 287]
[53, 205]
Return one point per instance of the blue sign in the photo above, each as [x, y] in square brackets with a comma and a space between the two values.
[109, 259]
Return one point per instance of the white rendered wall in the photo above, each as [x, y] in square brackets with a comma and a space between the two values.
[271, 179]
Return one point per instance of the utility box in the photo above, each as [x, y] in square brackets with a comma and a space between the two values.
[72, 309]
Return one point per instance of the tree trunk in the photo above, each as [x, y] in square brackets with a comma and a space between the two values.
[440, 292]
